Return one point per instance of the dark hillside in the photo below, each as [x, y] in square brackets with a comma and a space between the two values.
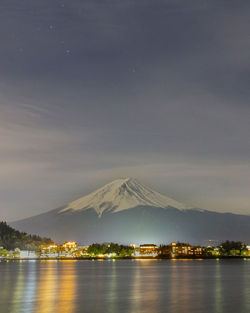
[11, 239]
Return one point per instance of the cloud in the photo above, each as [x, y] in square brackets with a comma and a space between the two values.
[156, 90]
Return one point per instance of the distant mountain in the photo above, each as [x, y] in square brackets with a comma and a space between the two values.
[11, 239]
[119, 195]
[126, 211]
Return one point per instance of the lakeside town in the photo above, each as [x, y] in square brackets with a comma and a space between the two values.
[174, 250]
[16, 245]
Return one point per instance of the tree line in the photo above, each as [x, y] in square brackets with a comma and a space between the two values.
[11, 239]
[115, 249]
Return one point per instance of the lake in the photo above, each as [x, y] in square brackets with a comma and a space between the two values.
[120, 286]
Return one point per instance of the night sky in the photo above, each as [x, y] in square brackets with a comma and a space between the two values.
[94, 90]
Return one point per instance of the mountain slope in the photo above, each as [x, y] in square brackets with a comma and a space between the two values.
[122, 194]
[127, 212]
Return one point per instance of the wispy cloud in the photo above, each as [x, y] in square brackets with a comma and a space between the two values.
[93, 90]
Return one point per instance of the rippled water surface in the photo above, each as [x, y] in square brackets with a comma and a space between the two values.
[125, 286]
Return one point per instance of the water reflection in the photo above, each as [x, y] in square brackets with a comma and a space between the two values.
[98, 288]
[30, 289]
[56, 289]
[187, 282]
[67, 288]
[125, 287]
[246, 286]
[112, 296]
[136, 297]
[184, 284]
[18, 291]
[174, 287]
[217, 288]
[47, 289]
[145, 290]
[5, 287]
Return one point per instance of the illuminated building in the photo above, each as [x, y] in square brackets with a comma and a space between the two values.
[70, 245]
[148, 250]
[197, 251]
[50, 251]
[184, 250]
[68, 249]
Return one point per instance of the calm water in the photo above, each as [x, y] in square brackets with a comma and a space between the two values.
[125, 286]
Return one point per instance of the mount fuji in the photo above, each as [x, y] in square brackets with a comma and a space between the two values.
[119, 195]
[126, 211]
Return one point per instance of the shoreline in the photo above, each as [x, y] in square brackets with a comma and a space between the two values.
[125, 258]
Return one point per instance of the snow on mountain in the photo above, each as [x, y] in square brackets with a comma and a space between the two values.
[119, 195]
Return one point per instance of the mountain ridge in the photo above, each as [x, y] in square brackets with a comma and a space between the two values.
[126, 211]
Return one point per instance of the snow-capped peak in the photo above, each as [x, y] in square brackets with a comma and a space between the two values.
[122, 194]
